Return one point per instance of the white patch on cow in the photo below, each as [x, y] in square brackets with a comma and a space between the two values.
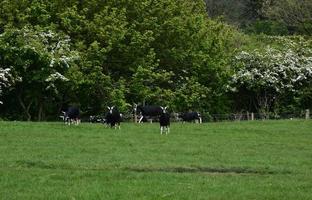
[141, 119]
[164, 129]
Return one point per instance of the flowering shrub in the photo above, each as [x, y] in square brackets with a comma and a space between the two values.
[5, 77]
[272, 72]
[39, 59]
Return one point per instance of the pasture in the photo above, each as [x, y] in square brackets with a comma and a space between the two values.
[228, 160]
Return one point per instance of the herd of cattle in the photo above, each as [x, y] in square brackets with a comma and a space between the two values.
[113, 117]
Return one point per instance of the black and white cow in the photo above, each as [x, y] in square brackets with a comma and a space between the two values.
[113, 117]
[71, 115]
[147, 111]
[190, 117]
[164, 121]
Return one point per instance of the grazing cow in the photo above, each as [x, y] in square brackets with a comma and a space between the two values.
[164, 121]
[147, 111]
[191, 116]
[113, 117]
[72, 115]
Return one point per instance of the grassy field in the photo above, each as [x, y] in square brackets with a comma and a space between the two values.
[233, 160]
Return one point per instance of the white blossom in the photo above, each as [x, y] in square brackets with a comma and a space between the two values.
[56, 76]
[6, 79]
[275, 69]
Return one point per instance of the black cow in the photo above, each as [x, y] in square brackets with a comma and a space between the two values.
[71, 115]
[164, 121]
[113, 117]
[147, 111]
[191, 116]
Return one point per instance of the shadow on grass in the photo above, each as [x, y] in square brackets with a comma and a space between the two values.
[232, 170]
[221, 170]
[41, 165]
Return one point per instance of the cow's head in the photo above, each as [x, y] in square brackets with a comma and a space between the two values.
[110, 109]
[64, 117]
[135, 108]
[164, 109]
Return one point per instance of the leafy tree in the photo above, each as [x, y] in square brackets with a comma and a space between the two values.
[271, 73]
[6, 80]
[150, 85]
[296, 15]
[241, 13]
[39, 59]
[129, 51]
[118, 96]
[191, 95]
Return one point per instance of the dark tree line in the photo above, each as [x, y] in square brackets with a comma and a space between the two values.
[95, 54]
[272, 17]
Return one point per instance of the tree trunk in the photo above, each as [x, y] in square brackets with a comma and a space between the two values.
[25, 108]
[40, 112]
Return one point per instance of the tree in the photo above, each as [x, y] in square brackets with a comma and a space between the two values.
[191, 95]
[39, 59]
[296, 15]
[150, 85]
[273, 72]
[151, 44]
[6, 79]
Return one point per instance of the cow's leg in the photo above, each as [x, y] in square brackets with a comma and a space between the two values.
[141, 119]
[168, 129]
[200, 120]
[68, 121]
[161, 130]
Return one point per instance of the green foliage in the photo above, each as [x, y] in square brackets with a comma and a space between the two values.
[296, 15]
[118, 96]
[97, 53]
[151, 85]
[267, 27]
[274, 72]
[38, 59]
[272, 17]
[191, 96]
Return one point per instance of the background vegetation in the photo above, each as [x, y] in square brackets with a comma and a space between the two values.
[183, 54]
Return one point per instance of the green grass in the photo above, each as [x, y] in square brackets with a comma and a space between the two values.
[234, 160]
